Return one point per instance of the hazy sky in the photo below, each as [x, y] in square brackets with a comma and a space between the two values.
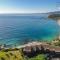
[29, 6]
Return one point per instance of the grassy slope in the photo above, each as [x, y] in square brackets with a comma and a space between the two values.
[11, 55]
[17, 55]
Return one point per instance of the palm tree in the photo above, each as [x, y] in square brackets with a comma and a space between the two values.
[11, 54]
[2, 58]
[7, 55]
[15, 56]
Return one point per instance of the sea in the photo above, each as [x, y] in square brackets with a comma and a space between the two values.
[18, 29]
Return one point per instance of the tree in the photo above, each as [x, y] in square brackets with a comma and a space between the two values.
[39, 57]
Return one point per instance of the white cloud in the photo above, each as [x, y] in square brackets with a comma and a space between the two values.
[10, 10]
[14, 10]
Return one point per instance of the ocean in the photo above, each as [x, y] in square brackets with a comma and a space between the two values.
[20, 29]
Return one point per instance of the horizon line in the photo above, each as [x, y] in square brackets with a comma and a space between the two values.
[26, 12]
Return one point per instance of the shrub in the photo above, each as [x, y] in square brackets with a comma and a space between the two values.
[39, 57]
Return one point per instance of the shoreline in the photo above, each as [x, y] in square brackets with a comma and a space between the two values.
[36, 44]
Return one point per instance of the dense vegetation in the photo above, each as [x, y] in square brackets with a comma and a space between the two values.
[11, 55]
[54, 16]
[18, 55]
[38, 57]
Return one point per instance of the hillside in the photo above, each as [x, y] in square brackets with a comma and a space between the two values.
[54, 15]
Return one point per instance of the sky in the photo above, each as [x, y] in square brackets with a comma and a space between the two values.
[29, 6]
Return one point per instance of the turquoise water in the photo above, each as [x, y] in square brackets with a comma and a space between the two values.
[21, 29]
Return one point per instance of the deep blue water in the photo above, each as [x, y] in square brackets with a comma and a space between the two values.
[22, 29]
